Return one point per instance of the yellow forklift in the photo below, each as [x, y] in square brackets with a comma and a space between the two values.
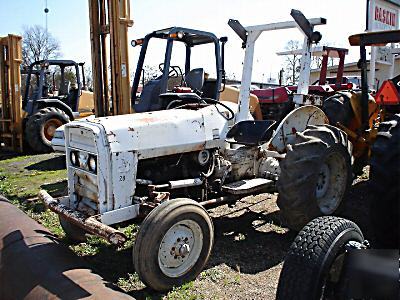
[11, 113]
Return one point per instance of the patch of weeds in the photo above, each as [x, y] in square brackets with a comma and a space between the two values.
[277, 229]
[49, 220]
[225, 282]
[183, 292]
[16, 181]
[236, 279]
[130, 283]
[91, 247]
[213, 274]
[17, 159]
[240, 237]
[85, 249]
[130, 232]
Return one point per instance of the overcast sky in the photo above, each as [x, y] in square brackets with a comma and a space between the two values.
[68, 21]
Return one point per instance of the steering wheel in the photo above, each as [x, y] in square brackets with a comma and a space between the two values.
[174, 71]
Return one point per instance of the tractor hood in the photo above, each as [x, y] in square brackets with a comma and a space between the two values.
[160, 133]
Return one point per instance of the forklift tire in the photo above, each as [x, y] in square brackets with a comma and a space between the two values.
[385, 185]
[314, 256]
[173, 244]
[41, 126]
[315, 175]
[72, 232]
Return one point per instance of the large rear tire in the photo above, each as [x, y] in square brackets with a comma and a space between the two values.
[338, 109]
[173, 244]
[315, 175]
[41, 126]
[308, 271]
[385, 183]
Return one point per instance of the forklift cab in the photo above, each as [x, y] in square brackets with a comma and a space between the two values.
[53, 83]
[177, 83]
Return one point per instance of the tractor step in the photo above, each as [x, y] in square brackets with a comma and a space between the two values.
[247, 186]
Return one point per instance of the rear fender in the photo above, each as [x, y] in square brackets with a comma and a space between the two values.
[42, 103]
[296, 121]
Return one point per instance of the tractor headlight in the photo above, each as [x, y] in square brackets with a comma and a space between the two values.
[74, 157]
[92, 163]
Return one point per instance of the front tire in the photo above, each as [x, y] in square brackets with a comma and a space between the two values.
[315, 175]
[173, 244]
[313, 257]
[41, 126]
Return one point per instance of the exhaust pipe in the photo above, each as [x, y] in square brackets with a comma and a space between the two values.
[35, 265]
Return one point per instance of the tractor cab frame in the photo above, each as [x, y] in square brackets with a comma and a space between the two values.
[370, 39]
[158, 93]
[43, 95]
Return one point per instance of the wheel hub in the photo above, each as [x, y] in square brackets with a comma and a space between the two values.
[323, 180]
[331, 183]
[180, 248]
[50, 127]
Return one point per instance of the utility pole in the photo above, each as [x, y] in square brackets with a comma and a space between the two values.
[46, 11]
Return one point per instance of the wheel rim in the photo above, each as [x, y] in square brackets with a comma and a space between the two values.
[323, 180]
[49, 128]
[331, 280]
[331, 183]
[180, 248]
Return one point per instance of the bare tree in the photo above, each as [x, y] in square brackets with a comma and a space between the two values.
[230, 76]
[150, 72]
[38, 44]
[316, 61]
[292, 62]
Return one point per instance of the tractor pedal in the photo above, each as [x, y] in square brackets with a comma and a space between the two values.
[248, 186]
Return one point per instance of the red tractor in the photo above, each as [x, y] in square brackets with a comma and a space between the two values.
[277, 102]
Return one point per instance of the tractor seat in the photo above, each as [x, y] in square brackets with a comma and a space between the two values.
[251, 133]
[72, 99]
[64, 88]
[195, 79]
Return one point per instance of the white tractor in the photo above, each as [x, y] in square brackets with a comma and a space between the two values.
[166, 166]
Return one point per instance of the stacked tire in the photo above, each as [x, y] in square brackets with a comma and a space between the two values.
[385, 183]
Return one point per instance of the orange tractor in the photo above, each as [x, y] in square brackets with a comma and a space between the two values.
[328, 259]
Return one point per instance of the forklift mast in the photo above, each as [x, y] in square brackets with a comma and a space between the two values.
[11, 113]
[110, 17]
